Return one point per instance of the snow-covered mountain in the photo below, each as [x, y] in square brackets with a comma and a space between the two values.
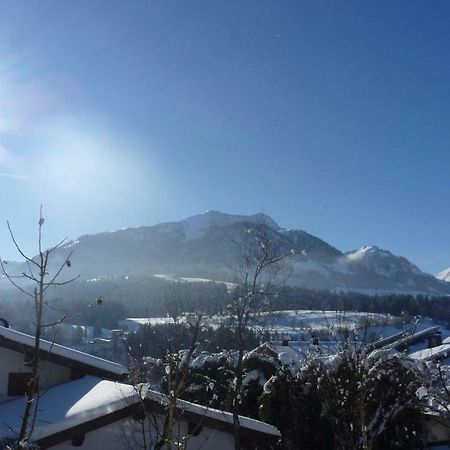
[376, 266]
[444, 275]
[381, 262]
[368, 269]
[207, 246]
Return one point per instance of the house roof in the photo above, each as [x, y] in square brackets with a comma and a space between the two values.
[406, 342]
[68, 357]
[214, 418]
[89, 403]
[429, 354]
[70, 405]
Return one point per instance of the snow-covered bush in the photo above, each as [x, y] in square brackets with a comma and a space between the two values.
[292, 404]
[259, 366]
[349, 401]
[437, 392]
[211, 376]
[208, 379]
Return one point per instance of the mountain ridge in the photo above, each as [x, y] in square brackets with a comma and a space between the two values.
[204, 246]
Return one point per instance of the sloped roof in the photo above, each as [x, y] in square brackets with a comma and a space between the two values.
[403, 343]
[88, 403]
[429, 354]
[209, 416]
[69, 357]
[69, 405]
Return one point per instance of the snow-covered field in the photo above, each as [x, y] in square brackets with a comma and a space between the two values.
[305, 325]
[297, 324]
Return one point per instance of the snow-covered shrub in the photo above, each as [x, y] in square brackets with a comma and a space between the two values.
[207, 380]
[210, 379]
[371, 399]
[259, 366]
[359, 401]
[437, 391]
[292, 404]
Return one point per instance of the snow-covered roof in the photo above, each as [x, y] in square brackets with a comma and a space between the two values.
[68, 405]
[386, 341]
[8, 335]
[416, 337]
[215, 414]
[438, 352]
[87, 399]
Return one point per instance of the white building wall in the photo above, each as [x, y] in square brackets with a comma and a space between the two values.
[211, 439]
[12, 362]
[127, 435]
[108, 438]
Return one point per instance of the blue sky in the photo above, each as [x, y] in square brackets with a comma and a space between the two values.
[332, 117]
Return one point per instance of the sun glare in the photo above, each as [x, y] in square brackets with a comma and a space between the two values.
[87, 164]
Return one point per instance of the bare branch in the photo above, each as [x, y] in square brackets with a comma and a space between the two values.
[27, 258]
[58, 272]
[60, 283]
[58, 245]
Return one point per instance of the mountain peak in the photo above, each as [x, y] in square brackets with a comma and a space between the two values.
[382, 262]
[225, 218]
[370, 248]
[368, 251]
[195, 226]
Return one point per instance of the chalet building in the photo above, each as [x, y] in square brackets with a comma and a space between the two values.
[85, 403]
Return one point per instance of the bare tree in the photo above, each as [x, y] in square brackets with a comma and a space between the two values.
[261, 262]
[34, 283]
[179, 354]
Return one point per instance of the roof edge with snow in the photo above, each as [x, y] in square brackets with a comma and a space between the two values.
[65, 356]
